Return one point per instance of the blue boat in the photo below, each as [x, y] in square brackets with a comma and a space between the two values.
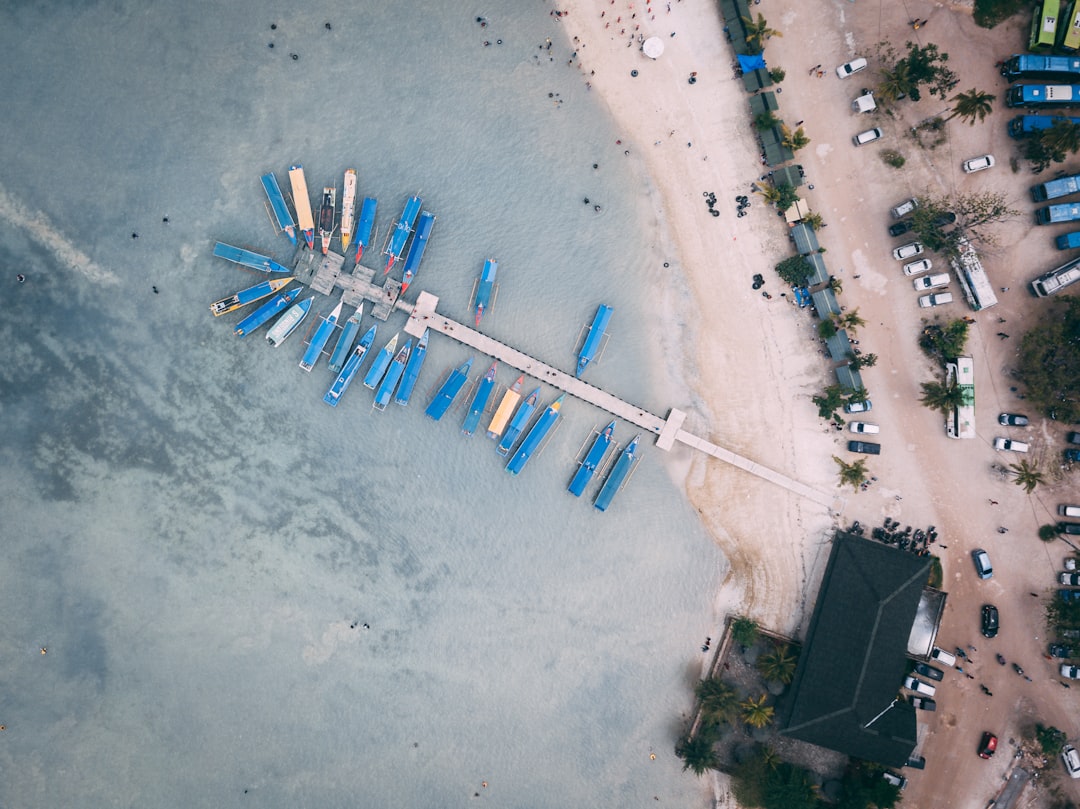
[247, 258]
[401, 232]
[480, 400]
[287, 323]
[416, 251]
[593, 458]
[344, 343]
[267, 311]
[535, 437]
[617, 477]
[518, 422]
[341, 384]
[393, 374]
[277, 204]
[245, 296]
[363, 227]
[381, 363]
[484, 288]
[412, 371]
[450, 388]
[594, 338]
[319, 339]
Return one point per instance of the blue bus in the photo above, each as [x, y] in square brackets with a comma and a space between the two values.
[1043, 95]
[1054, 189]
[1032, 66]
[1068, 241]
[1023, 126]
[1055, 214]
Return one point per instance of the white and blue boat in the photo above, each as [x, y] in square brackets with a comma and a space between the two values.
[401, 233]
[319, 339]
[287, 323]
[484, 289]
[341, 384]
[267, 311]
[535, 437]
[450, 388]
[393, 375]
[284, 218]
[412, 371]
[594, 338]
[345, 339]
[593, 459]
[480, 400]
[617, 479]
[416, 251]
[518, 422]
[380, 363]
[247, 258]
[245, 296]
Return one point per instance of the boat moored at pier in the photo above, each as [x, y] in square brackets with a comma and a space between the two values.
[535, 436]
[594, 338]
[319, 339]
[593, 458]
[416, 250]
[480, 400]
[327, 214]
[484, 288]
[249, 295]
[381, 363]
[344, 343]
[617, 479]
[352, 365]
[412, 371]
[505, 409]
[247, 258]
[302, 203]
[364, 226]
[450, 389]
[393, 374]
[401, 232]
[348, 208]
[281, 211]
[287, 323]
[518, 422]
[267, 311]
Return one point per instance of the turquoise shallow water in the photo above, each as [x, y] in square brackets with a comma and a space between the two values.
[191, 533]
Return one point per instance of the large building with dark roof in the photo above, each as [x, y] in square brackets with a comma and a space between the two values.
[845, 694]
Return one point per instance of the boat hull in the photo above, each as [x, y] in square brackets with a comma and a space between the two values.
[505, 409]
[302, 204]
[327, 213]
[319, 340]
[348, 208]
[365, 225]
[288, 322]
[617, 478]
[416, 251]
[284, 218]
[412, 371]
[535, 437]
[249, 295]
[247, 258]
[401, 232]
[480, 400]
[593, 458]
[594, 338]
[393, 376]
[352, 365]
[266, 311]
[345, 340]
[484, 288]
[518, 423]
[380, 364]
[449, 390]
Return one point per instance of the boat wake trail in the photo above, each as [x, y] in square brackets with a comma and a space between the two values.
[38, 226]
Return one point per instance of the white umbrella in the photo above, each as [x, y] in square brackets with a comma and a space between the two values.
[653, 47]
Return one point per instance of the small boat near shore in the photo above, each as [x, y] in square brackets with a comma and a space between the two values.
[319, 339]
[617, 479]
[505, 409]
[412, 371]
[348, 208]
[518, 422]
[345, 339]
[593, 458]
[366, 223]
[249, 295]
[267, 311]
[393, 375]
[401, 233]
[535, 436]
[327, 215]
[594, 338]
[381, 363]
[281, 211]
[302, 204]
[345, 378]
[484, 288]
[450, 388]
[287, 323]
[247, 258]
[480, 400]
[416, 250]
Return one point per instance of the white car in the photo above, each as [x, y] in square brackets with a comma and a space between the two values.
[916, 267]
[940, 279]
[1072, 760]
[904, 208]
[1070, 672]
[985, 161]
[858, 407]
[869, 136]
[935, 299]
[1010, 445]
[864, 427]
[854, 66]
[919, 687]
[909, 250]
[941, 656]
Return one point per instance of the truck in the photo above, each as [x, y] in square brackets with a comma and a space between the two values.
[1054, 189]
[1068, 241]
[1055, 214]
[1052, 282]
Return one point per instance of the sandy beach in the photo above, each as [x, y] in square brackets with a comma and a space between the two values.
[759, 360]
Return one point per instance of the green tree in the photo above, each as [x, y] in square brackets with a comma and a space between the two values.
[1049, 362]
[794, 140]
[1050, 739]
[860, 361]
[1026, 475]
[895, 84]
[790, 787]
[1048, 533]
[972, 105]
[718, 699]
[814, 220]
[770, 193]
[697, 752]
[766, 120]
[758, 32]
[849, 320]
[944, 343]
[942, 396]
[835, 284]
[777, 74]
[795, 270]
[826, 329]
[974, 215]
[744, 631]
[779, 664]
[858, 395]
[1052, 145]
[756, 713]
[828, 402]
[852, 474]
[921, 66]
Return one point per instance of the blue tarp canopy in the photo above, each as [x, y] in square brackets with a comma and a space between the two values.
[749, 63]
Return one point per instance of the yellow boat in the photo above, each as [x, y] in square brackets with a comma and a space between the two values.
[505, 409]
[302, 203]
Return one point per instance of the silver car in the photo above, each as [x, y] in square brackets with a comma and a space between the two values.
[906, 251]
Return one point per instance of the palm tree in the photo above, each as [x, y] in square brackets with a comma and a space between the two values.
[756, 713]
[814, 220]
[766, 120]
[697, 752]
[718, 699]
[1027, 475]
[971, 105]
[849, 320]
[770, 758]
[758, 32]
[1060, 139]
[770, 193]
[779, 664]
[835, 284]
[939, 396]
[860, 361]
[894, 83]
[853, 474]
[794, 140]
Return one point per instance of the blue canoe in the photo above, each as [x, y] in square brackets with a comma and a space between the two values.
[319, 339]
[401, 232]
[617, 477]
[480, 400]
[593, 458]
[363, 227]
[412, 371]
[381, 363]
[535, 437]
[393, 374]
[483, 289]
[267, 311]
[450, 388]
[277, 203]
[341, 384]
[247, 258]
[594, 338]
[518, 422]
[261, 290]
[344, 343]
[416, 251]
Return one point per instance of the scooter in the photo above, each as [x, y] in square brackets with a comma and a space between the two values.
[1001, 660]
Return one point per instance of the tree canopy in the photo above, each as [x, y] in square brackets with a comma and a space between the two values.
[1052, 145]
[922, 66]
[944, 342]
[1049, 362]
[940, 222]
[795, 270]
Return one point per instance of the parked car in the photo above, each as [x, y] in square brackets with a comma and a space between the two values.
[923, 670]
[982, 563]
[865, 447]
[1012, 420]
[916, 762]
[990, 623]
[1070, 579]
[904, 208]
[864, 427]
[916, 267]
[1069, 528]
[869, 136]
[897, 781]
[1069, 595]
[1072, 760]
[919, 687]
[935, 299]
[900, 228]
[923, 703]
[1070, 563]
[1073, 437]
[1070, 672]
[933, 281]
[865, 406]
[943, 657]
[1010, 445]
[1072, 455]
[849, 68]
[909, 250]
[1065, 510]
[1061, 650]
[985, 161]
[943, 219]
[987, 745]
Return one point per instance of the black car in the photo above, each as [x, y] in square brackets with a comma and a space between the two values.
[900, 228]
[1073, 437]
[1072, 455]
[990, 623]
[1061, 650]
[1072, 528]
[943, 219]
[923, 703]
[1013, 420]
[867, 447]
[929, 671]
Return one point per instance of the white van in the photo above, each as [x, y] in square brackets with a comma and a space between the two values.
[943, 657]
[1069, 511]
[932, 281]
[1072, 760]
[869, 136]
[937, 299]
[919, 687]
[867, 428]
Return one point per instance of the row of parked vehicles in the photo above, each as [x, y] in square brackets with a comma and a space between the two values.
[914, 250]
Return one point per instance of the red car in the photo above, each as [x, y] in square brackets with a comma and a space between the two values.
[988, 745]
